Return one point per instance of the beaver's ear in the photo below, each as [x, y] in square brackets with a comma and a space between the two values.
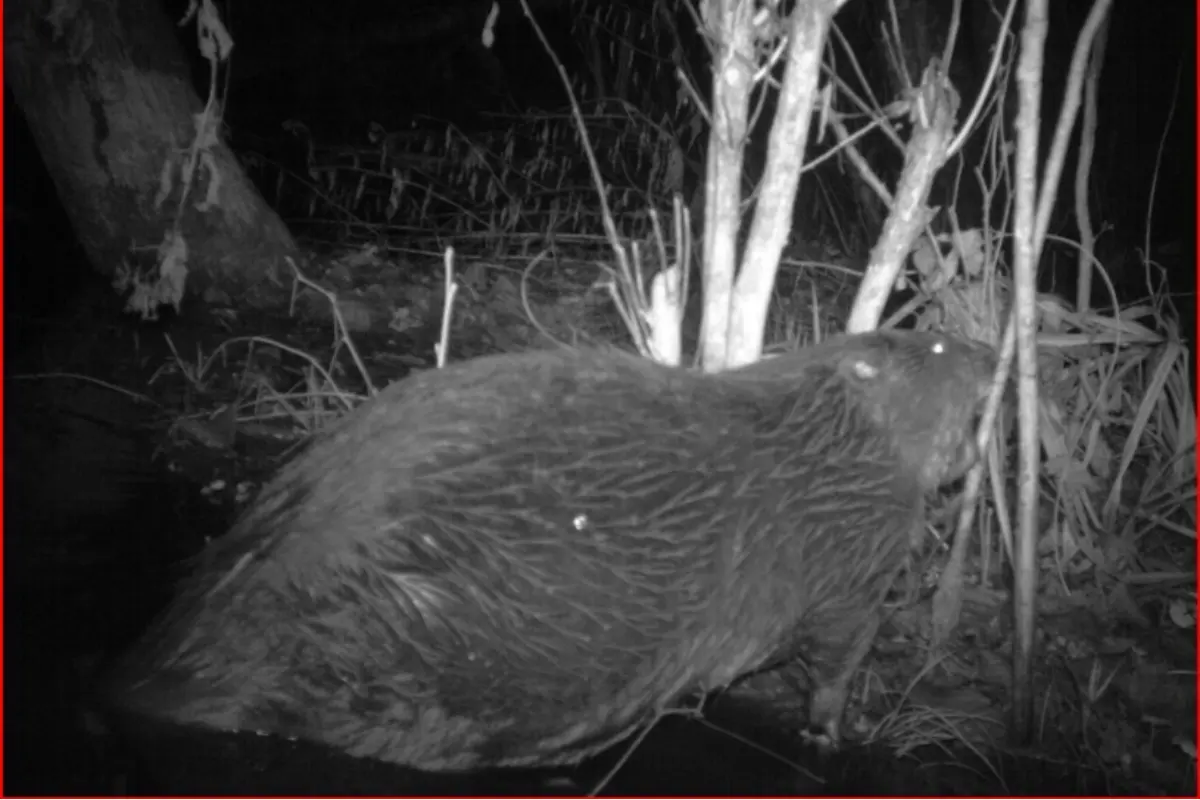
[858, 368]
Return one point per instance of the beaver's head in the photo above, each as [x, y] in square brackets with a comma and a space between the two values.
[927, 389]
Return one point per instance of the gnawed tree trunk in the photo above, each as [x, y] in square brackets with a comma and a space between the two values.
[106, 92]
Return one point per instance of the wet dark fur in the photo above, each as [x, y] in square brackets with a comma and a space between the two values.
[518, 559]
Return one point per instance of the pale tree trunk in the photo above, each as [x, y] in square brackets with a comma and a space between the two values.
[106, 92]
[730, 25]
[735, 312]
[788, 140]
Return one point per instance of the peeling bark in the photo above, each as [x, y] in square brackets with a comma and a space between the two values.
[105, 89]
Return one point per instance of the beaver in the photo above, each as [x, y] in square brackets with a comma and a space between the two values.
[521, 559]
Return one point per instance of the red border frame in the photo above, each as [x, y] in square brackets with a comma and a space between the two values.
[3, 417]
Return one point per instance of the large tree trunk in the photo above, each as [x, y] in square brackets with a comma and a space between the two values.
[106, 92]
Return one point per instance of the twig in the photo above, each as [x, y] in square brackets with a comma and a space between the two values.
[442, 348]
[610, 228]
[341, 332]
